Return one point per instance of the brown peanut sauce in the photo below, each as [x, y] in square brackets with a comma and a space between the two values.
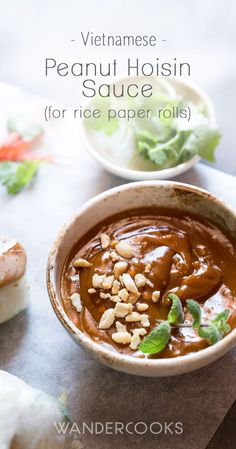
[188, 256]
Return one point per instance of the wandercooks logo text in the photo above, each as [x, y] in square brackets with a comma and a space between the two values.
[119, 428]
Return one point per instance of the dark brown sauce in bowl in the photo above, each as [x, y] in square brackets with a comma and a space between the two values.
[175, 252]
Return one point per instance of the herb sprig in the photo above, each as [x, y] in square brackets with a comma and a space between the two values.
[160, 336]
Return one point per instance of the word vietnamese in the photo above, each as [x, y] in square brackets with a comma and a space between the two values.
[97, 40]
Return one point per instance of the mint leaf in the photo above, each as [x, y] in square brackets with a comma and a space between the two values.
[195, 310]
[16, 175]
[157, 340]
[211, 333]
[176, 313]
[220, 321]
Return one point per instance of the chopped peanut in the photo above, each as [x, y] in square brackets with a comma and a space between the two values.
[140, 280]
[76, 301]
[105, 295]
[129, 283]
[116, 287]
[135, 342]
[139, 331]
[156, 296]
[141, 307]
[120, 327]
[133, 297]
[107, 319]
[124, 250]
[120, 268]
[91, 291]
[133, 317]
[122, 309]
[123, 294]
[105, 241]
[115, 298]
[148, 268]
[121, 337]
[108, 281]
[114, 256]
[81, 263]
[145, 320]
[97, 280]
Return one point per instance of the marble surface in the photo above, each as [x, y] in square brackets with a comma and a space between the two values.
[35, 346]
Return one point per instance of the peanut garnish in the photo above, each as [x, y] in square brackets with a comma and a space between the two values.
[135, 339]
[97, 280]
[105, 241]
[129, 283]
[76, 301]
[115, 298]
[121, 337]
[107, 319]
[156, 296]
[116, 287]
[91, 291]
[123, 294]
[124, 250]
[148, 268]
[133, 297]
[141, 307]
[120, 268]
[133, 317]
[81, 263]
[140, 280]
[104, 295]
[122, 309]
[108, 281]
[135, 342]
[120, 327]
[145, 320]
[114, 256]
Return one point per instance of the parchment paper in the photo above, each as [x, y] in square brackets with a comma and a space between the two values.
[34, 345]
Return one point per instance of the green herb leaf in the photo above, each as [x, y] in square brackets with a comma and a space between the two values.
[157, 340]
[195, 310]
[147, 137]
[176, 313]
[202, 141]
[16, 175]
[220, 321]
[211, 333]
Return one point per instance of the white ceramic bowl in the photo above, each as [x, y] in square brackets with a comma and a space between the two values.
[182, 87]
[141, 194]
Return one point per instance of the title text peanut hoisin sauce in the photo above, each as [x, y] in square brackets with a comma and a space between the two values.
[175, 252]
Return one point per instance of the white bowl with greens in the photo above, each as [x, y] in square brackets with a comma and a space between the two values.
[154, 146]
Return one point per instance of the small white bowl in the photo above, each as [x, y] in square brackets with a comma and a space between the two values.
[141, 194]
[184, 88]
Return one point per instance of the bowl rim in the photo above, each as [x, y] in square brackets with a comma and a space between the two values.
[129, 173]
[188, 362]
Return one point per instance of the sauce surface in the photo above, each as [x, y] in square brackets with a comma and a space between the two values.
[176, 252]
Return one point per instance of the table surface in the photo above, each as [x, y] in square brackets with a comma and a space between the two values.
[34, 345]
